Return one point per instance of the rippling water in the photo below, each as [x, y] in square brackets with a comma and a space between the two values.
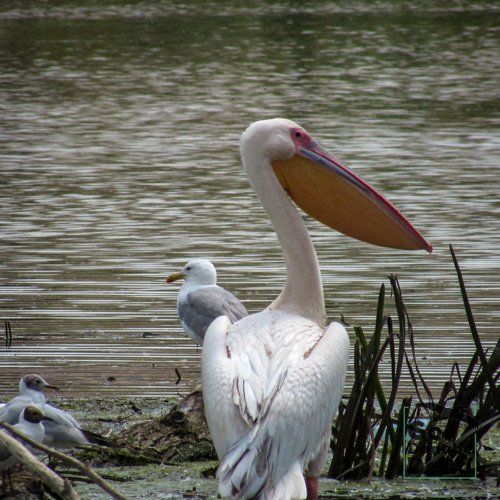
[119, 161]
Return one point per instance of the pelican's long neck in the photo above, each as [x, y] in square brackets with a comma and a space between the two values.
[303, 291]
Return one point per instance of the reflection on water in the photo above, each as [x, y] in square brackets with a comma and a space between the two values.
[119, 162]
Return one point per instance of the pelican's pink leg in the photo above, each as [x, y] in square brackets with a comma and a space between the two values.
[312, 485]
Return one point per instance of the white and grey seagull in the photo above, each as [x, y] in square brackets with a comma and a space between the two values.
[62, 430]
[31, 391]
[201, 300]
[29, 425]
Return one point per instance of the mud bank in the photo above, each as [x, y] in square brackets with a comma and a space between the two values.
[165, 452]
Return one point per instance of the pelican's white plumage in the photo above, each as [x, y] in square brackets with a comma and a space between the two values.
[201, 300]
[272, 382]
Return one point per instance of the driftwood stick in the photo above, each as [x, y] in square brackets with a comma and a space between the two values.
[84, 468]
[56, 483]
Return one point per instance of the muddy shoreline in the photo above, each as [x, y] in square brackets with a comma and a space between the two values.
[167, 456]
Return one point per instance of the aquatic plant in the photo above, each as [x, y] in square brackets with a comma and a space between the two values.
[371, 437]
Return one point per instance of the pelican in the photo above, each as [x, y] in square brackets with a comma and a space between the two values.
[272, 381]
[201, 300]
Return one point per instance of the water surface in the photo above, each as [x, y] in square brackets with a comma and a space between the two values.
[119, 161]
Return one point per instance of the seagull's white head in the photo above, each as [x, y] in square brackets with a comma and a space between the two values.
[196, 272]
[35, 383]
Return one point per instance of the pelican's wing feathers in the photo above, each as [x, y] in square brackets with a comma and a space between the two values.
[273, 376]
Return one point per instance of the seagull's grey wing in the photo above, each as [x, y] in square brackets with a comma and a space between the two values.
[63, 430]
[62, 435]
[60, 416]
[202, 306]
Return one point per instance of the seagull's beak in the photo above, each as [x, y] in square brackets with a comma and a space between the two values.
[53, 387]
[175, 277]
[339, 198]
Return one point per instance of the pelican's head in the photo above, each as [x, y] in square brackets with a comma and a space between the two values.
[196, 272]
[269, 139]
[326, 189]
[35, 383]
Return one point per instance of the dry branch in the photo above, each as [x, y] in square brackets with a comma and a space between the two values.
[84, 468]
[56, 483]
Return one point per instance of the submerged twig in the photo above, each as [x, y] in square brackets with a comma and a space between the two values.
[8, 334]
[178, 373]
